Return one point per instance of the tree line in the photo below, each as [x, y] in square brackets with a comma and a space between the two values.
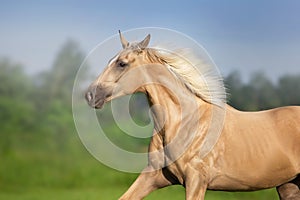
[31, 104]
[261, 93]
[38, 104]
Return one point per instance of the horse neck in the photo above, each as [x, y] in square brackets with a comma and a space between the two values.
[175, 109]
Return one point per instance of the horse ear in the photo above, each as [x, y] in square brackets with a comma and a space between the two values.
[123, 40]
[143, 44]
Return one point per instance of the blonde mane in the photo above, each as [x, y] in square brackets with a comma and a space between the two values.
[200, 78]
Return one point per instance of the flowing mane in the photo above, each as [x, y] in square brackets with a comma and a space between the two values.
[198, 77]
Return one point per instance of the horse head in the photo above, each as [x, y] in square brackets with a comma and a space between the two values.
[115, 80]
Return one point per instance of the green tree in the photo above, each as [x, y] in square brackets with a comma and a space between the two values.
[264, 94]
[54, 93]
[233, 84]
[289, 90]
[260, 93]
[17, 113]
[240, 95]
[57, 83]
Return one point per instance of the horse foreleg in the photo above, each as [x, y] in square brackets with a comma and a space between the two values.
[195, 186]
[146, 183]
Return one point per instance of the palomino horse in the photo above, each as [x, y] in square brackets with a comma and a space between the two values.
[255, 150]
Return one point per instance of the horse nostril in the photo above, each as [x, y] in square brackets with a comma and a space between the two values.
[89, 96]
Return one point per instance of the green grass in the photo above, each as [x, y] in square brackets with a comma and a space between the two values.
[114, 192]
[39, 168]
[64, 194]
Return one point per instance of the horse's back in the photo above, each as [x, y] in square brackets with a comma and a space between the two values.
[279, 130]
[282, 122]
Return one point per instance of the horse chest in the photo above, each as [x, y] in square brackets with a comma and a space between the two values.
[180, 167]
[177, 172]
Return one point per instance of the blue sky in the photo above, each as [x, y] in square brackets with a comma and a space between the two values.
[242, 35]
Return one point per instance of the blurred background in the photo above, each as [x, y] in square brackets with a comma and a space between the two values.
[255, 44]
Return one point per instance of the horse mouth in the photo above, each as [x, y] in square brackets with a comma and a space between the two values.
[97, 100]
[99, 104]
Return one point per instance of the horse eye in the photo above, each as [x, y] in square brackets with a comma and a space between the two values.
[122, 64]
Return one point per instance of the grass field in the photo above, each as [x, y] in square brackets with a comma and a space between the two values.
[113, 192]
[35, 168]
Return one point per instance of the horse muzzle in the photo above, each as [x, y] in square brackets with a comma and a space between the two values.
[96, 96]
